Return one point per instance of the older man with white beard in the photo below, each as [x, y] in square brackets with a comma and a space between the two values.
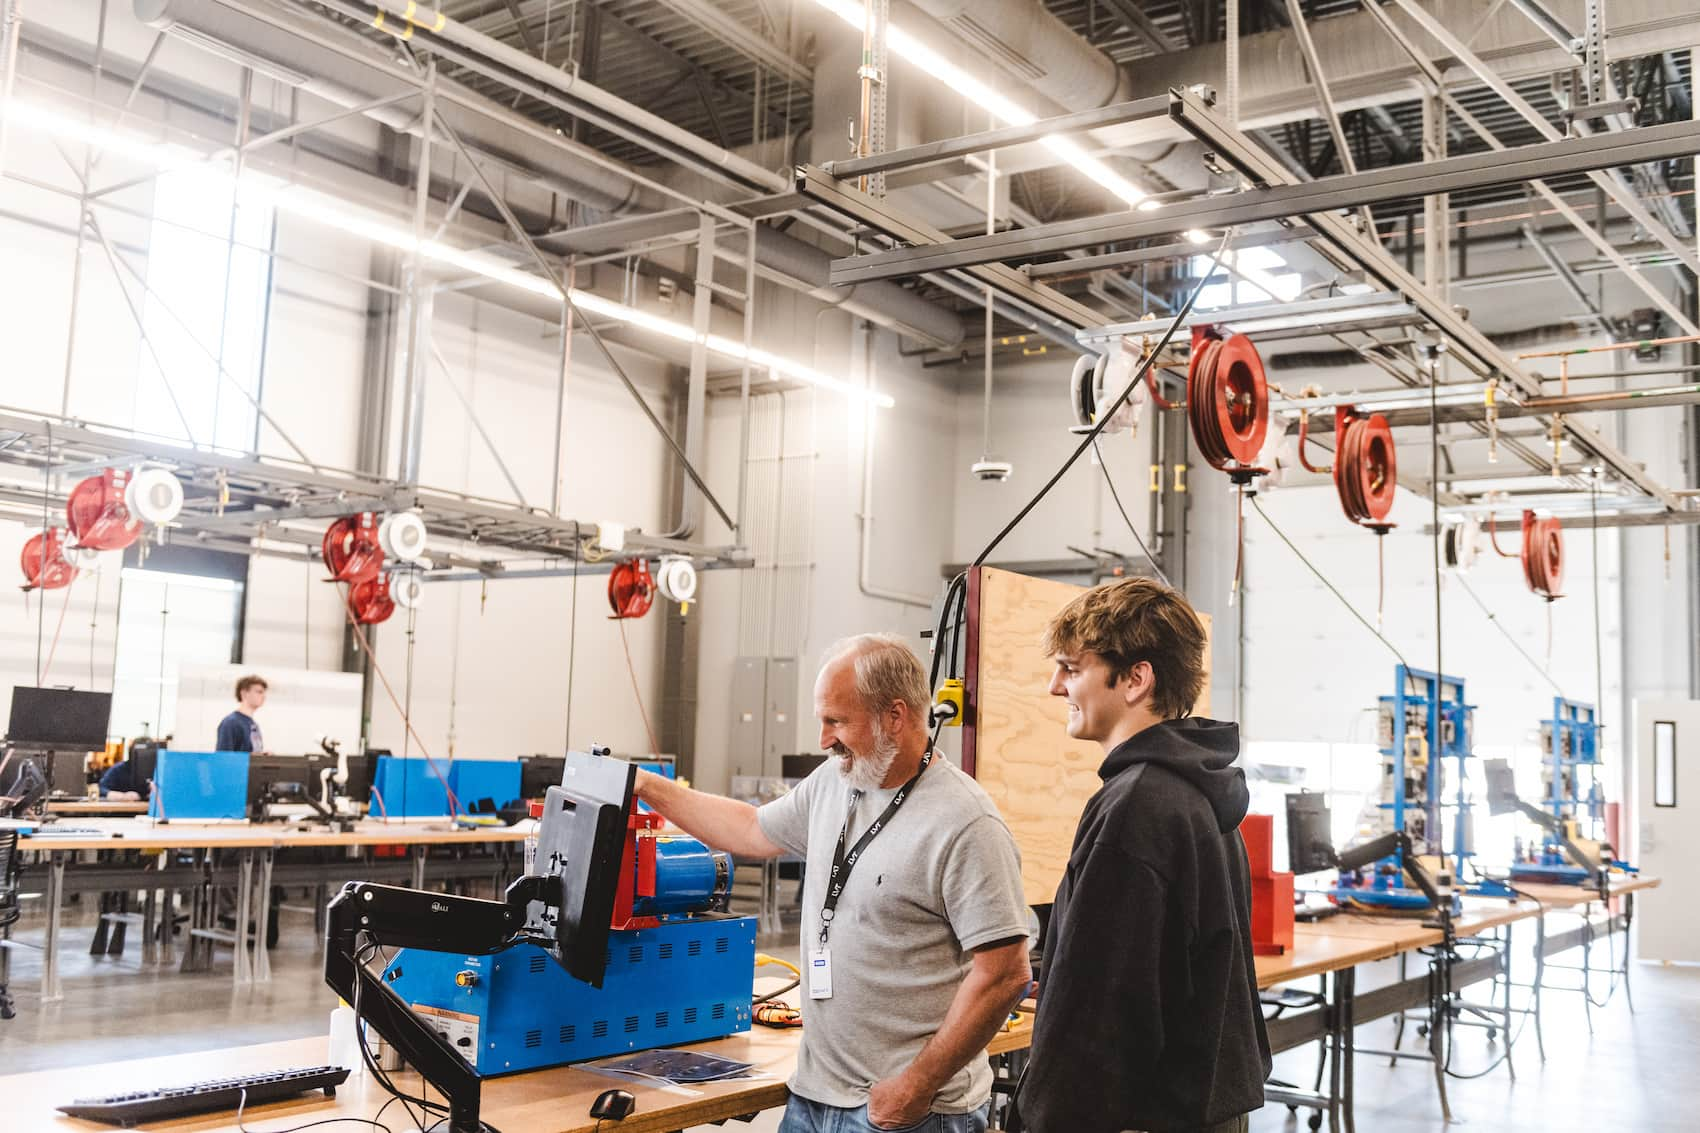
[914, 937]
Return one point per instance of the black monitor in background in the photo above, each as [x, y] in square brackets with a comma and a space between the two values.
[59, 716]
[800, 766]
[144, 753]
[1310, 842]
[267, 771]
[358, 789]
[69, 774]
[537, 773]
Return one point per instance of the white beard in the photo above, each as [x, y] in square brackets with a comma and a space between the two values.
[865, 772]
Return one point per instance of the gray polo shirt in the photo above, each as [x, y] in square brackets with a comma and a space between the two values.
[942, 878]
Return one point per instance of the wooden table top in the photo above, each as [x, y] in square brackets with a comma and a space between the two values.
[95, 807]
[1315, 953]
[540, 1101]
[1401, 933]
[1483, 913]
[1569, 896]
[134, 834]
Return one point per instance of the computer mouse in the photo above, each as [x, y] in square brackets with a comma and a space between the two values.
[613, 1105]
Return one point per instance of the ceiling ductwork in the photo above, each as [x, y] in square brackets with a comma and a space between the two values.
[340, 67]
[1035, 48]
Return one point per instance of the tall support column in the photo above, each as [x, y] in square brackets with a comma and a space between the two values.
[410, 358]
[1437, 256]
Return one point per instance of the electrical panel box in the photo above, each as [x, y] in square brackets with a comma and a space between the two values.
[679, 982]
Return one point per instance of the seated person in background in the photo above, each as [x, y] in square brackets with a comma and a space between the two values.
[122, 783]
[239, 731]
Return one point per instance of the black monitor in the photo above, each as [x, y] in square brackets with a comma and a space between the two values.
[1501, 786]
[268, 771]
[69, 773]
[537, 773]
[358, 789]
[1310, 841]
[59, 716]
[581, 838]
[800, 766]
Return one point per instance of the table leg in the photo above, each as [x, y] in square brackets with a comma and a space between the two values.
[150, 927]
[262, 920]
[243, 973]
[1587, 967]
[1505, 969]
[1439, 1005]
[1337, 1043]
[50, 947]
[1399, 1019]
[1349, 1030]
[1540, 978]
[1628, 919]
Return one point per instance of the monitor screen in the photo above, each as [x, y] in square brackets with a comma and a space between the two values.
[581, 838]
[1501, 786]
[537, 773]
[1310, 843]
[59, 716]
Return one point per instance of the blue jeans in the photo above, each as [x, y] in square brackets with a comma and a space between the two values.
[805, 1116]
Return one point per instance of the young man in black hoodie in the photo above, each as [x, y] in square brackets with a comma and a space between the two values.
[1148, 1011]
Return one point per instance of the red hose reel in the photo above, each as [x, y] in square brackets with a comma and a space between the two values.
[631, 590]
[97, 514]
[1365, 467]
[44, 563]
[1543, 555]
[351, 549]
[370, 601]
[1227, 399]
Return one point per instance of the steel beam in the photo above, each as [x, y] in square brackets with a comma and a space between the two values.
[1286, 199]
[1620, 194]
[746, 39]
[948, 149]
[1129, 13]
[816, 184]
[1179, 250]
[1475, 347]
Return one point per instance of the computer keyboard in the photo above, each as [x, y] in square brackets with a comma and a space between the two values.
[204, 1097]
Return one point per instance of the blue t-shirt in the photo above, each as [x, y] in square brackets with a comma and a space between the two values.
[123, 777]
[239, 732]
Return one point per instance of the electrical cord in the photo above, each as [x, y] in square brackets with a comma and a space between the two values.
[242, 1105]
[959, 584]
[1132, 530]
[1494, 618]
[1322, 578]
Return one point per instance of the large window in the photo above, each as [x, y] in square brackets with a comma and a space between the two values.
[206, 301]
[164, 621]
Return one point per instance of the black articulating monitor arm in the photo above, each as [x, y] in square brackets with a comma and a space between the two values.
[364, 916]
[1397, 842]
[1557, 827]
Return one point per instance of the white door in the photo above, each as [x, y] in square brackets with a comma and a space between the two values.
[1667, 788]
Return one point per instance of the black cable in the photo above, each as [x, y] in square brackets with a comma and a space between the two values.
[242, 1105]
[777, 993]
[1134, 531]
[1106, 414]
[1322, 578]
[1494, 618]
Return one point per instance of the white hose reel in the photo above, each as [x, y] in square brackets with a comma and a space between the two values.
[402, 536]
[154, 496]
[676, 578]
[1460, 540]
[1096, 381]
[407, 589]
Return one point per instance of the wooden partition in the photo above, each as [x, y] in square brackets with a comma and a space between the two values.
[1015, 734]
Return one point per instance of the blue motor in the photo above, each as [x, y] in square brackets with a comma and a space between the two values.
[689, 877]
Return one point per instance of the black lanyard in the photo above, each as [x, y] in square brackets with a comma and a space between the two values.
[843, 863]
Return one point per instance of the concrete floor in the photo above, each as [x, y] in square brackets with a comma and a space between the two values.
[1627, 1075]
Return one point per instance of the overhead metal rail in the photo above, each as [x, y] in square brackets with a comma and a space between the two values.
[231, 499]
[1543, 160]
[823, 188]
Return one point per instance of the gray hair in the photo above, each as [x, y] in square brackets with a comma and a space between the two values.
[887, 671]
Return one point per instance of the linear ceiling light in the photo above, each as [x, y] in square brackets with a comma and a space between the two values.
[1010, 113]
[260, 189]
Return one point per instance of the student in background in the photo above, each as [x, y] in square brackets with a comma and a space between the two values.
[239, 731]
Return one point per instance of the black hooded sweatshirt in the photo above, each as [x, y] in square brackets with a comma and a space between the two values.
[1148, 1010]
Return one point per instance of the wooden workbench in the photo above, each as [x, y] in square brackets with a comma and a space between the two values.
[93, 807]
[140, 834]
[541, 1101]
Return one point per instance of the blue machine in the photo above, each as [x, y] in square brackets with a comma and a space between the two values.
[1425, 723]
[200, 785]
[1571, 743]
[679, 982]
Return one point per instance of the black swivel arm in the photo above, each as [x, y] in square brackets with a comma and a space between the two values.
[1396, 842]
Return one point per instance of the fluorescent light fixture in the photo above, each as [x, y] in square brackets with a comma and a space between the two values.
[1470, 393]
[1575, 504]
[1336, 310]
[1006, 111]
[319, 208]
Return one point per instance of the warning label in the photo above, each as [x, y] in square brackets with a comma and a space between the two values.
[458, 1027]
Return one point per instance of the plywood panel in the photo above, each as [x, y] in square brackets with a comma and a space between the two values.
[1022, 753]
